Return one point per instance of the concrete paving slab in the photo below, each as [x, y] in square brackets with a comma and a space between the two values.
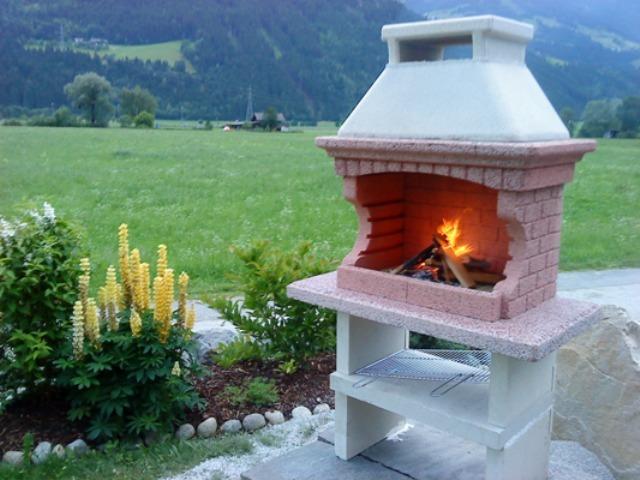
[317, 461]
[619, 287]
[424, 453]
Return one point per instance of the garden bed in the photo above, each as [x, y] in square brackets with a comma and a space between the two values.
[308, 386]
[45, 416]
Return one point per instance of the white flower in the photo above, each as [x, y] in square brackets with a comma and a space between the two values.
[9, 354]
[49, 212]
[7, 230]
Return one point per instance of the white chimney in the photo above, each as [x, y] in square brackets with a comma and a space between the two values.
[491, 96]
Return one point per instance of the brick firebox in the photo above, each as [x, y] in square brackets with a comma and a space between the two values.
[508, 195]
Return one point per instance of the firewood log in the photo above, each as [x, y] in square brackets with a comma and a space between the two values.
[418, 258]
[456, 267]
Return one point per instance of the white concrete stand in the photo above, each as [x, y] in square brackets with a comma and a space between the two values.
[511, 416]
[361, 342]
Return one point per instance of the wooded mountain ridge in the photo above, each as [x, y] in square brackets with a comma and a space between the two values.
[311, 59]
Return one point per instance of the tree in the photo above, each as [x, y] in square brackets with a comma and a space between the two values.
[92, 94]
[629, 115]
[270, 119]
[599, 117]
[137, 100]
[568, 117]
[143, 120]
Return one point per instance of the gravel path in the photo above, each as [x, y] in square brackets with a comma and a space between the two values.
[268, 443]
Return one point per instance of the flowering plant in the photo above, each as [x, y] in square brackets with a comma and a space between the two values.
[130, 365]
[39, 255]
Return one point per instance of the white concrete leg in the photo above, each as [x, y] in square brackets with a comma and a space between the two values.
[521, 389]
[525, 457]
[358, 425]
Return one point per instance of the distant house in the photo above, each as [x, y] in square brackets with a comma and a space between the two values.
[258, 117]
[256, 122]
[93, 43]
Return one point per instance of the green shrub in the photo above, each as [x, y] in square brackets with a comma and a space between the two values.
[125, 121]
[41, 121]
[39, 266]
[239, 350]
[130, 384]
[258, 392]
[12, 122]
[143, 120]
[284, 329]
[63, 117]
[129, 366]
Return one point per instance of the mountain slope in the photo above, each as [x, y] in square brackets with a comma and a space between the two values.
[582, 50]
[310, 59]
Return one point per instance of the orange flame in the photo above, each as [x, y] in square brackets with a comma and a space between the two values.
[451, 230]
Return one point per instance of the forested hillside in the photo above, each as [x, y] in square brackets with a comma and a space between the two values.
[582, 49]
[311, 59]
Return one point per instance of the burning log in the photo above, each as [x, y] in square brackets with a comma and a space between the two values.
[456, 267]
[477, 264]
[415, 260]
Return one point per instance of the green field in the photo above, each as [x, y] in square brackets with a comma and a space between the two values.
[165, 52]
[201, 191]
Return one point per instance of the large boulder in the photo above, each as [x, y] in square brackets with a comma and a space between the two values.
[211, 329]
[598, 392]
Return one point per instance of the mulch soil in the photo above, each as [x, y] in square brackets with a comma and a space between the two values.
[308, 386]
[46, 416]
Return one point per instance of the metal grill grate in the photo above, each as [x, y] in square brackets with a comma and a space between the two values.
[452, 367]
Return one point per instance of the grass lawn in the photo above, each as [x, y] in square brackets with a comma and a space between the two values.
[201, 191]
[120, 462]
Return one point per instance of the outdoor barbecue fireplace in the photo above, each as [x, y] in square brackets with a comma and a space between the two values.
[456, 170]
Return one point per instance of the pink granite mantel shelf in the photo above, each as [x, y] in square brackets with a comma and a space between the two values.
[530, 336]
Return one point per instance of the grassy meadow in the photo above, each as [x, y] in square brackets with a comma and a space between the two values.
[202, 191]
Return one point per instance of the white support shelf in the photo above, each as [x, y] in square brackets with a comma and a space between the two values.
[463, 411]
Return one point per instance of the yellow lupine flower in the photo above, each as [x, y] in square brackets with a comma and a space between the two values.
[85, 266]
[136, 323]
[183, 282]
[102, 304]
[83, 282]
[135, 278]
[167, 301]
[111, 289]
[92, 327]
[78, 330]
[123, 254]
[158, 291]
[144, 286]
[191, 318]
[176, 369]
[162, 260]
[120, 300]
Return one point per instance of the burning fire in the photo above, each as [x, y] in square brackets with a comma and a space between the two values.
[451, 230]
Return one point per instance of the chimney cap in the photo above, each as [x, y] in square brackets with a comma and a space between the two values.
[492, 25]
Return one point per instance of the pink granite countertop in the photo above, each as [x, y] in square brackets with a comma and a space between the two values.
[530, 336]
